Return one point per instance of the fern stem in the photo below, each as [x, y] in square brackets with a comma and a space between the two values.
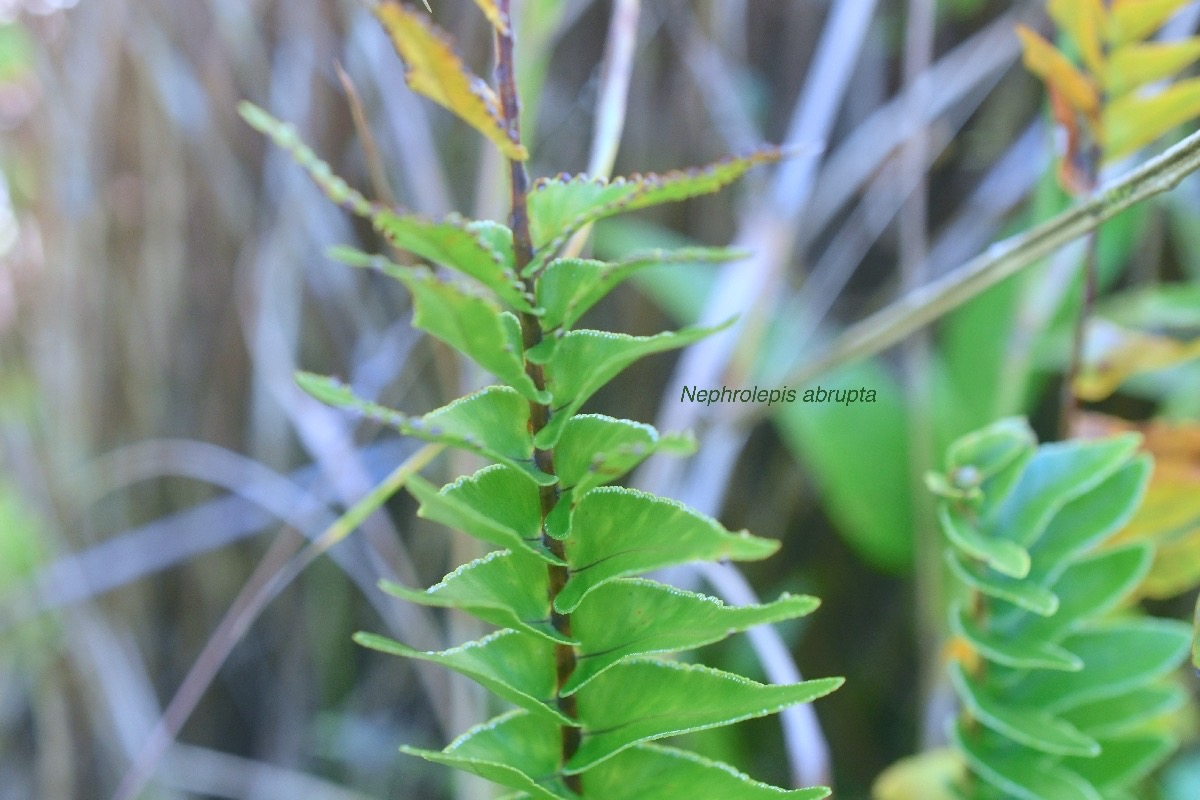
[1090, 173]
[1069, 402]
[539, 413]
[510, 107]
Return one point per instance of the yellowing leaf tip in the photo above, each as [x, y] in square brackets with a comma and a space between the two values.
[492, 12]
[433, 69]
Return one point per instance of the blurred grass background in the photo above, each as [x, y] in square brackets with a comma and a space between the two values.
[162, 274]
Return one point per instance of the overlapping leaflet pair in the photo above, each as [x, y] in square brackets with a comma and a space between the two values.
[626, 693]
[1061, 698]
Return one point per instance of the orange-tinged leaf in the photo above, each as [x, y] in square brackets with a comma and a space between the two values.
[1159, 307]
[433, 69]
[492, 12]
[1111, 354]
[1136, 65]
[1056, 70]
[1166, 441]
[1169, 516]
[1083, 21]
[1076, 173]
[1134, 20]
[959, 649]
[1131, 121]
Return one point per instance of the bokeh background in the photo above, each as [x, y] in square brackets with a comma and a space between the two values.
[163, 273]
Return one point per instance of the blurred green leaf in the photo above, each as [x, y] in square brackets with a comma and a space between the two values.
[1117, 656]
[1023, 593]
[1114, 716]
[22, 534]
[1048, 685]
[16, 52]
[1162, 307]
[1020, 774]
[1196, 637]
[1125, 762]
[1007, 558]
[992, 449]
[1018, 652]
[1087, 521]
[868, 499]
[973, 363]
[1029, 725]
[1089, 587]
[930, 775]
[1054, 476]
[1181, 778]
